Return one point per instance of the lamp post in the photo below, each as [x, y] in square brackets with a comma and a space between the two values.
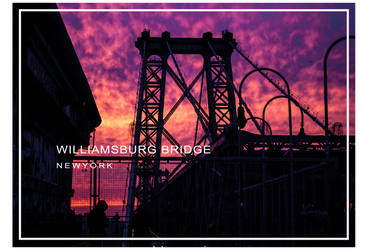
[241, 122]
[326, 92]
[302, 130]
[263, 154]
[270, 129]
[288, 94]
[263, 116]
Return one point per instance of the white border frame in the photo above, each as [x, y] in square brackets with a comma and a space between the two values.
[187, 10]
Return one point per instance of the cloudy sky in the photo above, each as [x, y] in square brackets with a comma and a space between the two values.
[290, 38]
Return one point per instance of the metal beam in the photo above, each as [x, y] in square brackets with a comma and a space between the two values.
[132, 182]
[169, 159]
[233, 86]
[180, 85]
[189, 95]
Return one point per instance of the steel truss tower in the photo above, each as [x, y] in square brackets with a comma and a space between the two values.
[155, 51]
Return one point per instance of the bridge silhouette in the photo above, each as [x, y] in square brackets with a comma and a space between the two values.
[250, 185]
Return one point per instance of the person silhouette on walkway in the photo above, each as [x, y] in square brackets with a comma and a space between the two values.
[141, 225]
[98, 221]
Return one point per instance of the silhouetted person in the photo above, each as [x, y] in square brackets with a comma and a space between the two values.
[141, 225]
[116, 218]
[98, 221]
[316, 219]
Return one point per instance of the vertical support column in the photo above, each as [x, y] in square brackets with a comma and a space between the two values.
[220, 87]
[151, 128]
[94, 185]
[326, 196]
[229, 89]
[210, 96]
[160, 121]
[133, 173]
[149, 125]
[280, 203]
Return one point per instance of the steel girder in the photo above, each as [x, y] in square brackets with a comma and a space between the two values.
[151, 127]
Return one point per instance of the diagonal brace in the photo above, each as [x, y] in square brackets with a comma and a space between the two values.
[189, 95]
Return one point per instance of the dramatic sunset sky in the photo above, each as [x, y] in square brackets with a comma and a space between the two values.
[292, 41]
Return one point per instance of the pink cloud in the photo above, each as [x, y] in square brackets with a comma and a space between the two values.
[283, 41]
[292, 43]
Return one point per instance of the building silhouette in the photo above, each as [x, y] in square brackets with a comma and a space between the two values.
[52, 105]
